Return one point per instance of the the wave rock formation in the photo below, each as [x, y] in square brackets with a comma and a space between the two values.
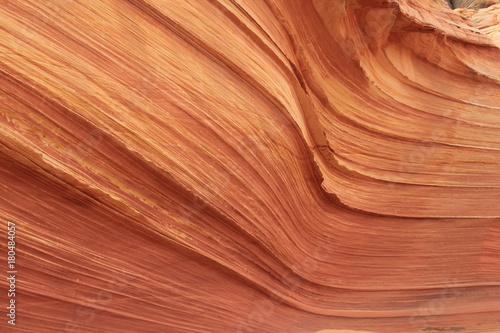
[265, 166]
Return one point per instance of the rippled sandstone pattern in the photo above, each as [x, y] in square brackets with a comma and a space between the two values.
[251, 165]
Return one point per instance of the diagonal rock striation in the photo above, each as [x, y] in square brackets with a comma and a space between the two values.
[251, 166]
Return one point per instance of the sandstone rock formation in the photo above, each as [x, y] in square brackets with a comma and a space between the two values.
[251, 165]
[471, 3]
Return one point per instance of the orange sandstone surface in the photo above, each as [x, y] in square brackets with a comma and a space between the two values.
[266, 166]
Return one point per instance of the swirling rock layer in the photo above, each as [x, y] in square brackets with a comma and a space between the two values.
[252, 166]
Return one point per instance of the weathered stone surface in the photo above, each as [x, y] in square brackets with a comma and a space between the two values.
[251, 165]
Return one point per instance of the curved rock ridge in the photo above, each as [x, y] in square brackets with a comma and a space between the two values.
[251, 166]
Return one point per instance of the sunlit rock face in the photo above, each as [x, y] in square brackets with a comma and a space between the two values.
[251, 165]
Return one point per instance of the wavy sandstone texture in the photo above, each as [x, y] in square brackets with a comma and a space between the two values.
[251, 165]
